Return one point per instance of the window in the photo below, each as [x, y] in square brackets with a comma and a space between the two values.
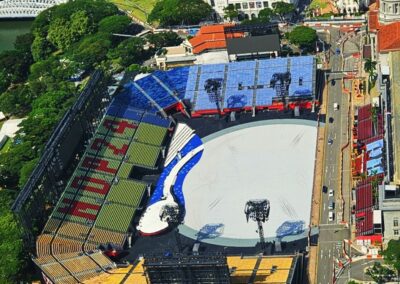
[396, 232]
[265, 4]
[238, 6]
[395, 222]
[245, 6]
[259, 5]
[251, 5]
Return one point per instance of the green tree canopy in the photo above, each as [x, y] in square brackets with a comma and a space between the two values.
[14, 67]
[11, 245]
[265, 15]
[91, 50]
[392, 255]
[379, 273]
[164, 39]
[304, 37]
[180, 12]
[230, 12]
[114, 24]
[282, 9]
[128, 52]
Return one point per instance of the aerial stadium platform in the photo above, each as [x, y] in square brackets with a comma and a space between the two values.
[278, 84]
[101, 199]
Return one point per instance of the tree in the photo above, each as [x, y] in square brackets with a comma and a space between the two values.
[230, 12]
[11, 245]
[370, 68]
[164, 39]
[14, 66]
[265, 15]
[392, 255]
[91, 50]
[304, 37]
[26, 171]
[180, 12]
[282, 9]
[23, 42]
[379, 273]
[115, 24]
[128, 52]
[16, 100]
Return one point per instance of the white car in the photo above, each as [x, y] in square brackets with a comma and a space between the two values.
[331, 216]
[331, 192]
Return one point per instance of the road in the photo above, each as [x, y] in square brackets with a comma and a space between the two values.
[333, 232]
[357, 271]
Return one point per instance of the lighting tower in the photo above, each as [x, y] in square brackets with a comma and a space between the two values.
[258, 210]
[171, 214]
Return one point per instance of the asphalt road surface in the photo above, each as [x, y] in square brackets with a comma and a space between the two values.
[332, 232]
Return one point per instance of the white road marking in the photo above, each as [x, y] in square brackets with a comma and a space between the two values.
[324, 206]
[329, 253]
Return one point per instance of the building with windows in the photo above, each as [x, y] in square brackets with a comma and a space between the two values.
[248, 9]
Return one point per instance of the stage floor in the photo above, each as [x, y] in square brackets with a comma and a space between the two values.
[272, 159]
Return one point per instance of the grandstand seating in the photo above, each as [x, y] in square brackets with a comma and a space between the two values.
[143, 154]
[156, 91]
[115, 217]
[99, 201]
[364, 198]
[127, 192]
[150, 134]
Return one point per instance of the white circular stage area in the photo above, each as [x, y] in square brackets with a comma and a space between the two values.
[272, 159]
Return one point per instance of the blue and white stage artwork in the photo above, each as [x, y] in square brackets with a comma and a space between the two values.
[290, 228]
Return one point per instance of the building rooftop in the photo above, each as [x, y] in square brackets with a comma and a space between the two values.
[389, 37]
[256, 44]
[212, 37]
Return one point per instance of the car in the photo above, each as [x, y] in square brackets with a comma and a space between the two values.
[331, 192]
[324, 189]
[335, 106]
[337, 51]
[331, 216]
[333, 82]
[330, 141]
[331, 120]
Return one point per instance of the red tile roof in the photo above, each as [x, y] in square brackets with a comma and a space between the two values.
[212, 37]
[389, 37]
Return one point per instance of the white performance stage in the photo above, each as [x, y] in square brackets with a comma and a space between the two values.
[272, 160]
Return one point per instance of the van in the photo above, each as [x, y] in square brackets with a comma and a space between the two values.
[331, 216]
[335, 106]
[331, 205]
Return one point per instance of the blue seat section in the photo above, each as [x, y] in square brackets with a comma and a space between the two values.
[241, 75]
[207, 98]
[193, 143]
[156, 120]
[125, 112]
[178, 190]
[191, 83]
[374, 145]
[178, 78]
[156, 91]
[375, 153]
[374, 163]
[301, 69]
[132, 97]
[266, 70]
[375, 171]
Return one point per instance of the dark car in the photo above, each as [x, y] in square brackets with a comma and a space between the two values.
[324, 189]
[331, 120]
[333, 82]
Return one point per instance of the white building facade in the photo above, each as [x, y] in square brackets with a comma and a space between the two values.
[389, 11]
[248, 9]
[348, 7]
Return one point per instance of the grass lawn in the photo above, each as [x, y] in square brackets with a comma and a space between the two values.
[6, 146]
[138, 8]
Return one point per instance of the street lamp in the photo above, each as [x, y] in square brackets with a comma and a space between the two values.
[258, 210]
